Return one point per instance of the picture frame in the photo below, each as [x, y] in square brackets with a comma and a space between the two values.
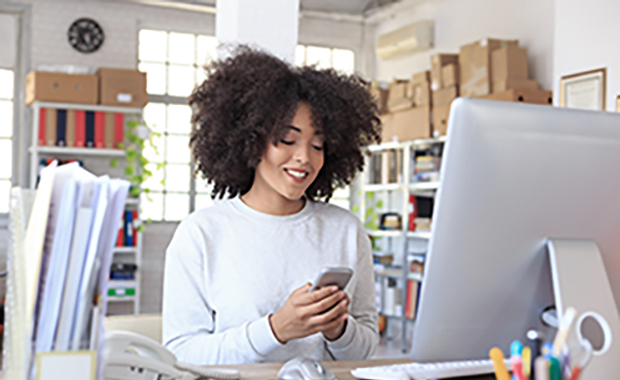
[618, 103]
[585, 90]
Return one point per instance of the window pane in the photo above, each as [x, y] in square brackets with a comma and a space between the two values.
[152, 46]
[6, 84]
[206, 49]
[177, 149]
[202, 186]
[152, 209]
[155, 152]
[177, 177]
[176, 206]
[155, 77]
[6, 118]
[319, 56]
[6, 158]
[200, 75]
[203, 201]
[179, 119]
[300, 55]
[155, 116]
[344, 61]
[342, 192]
[5, 191]
[181, 48]
[154, 182]
[180, 80]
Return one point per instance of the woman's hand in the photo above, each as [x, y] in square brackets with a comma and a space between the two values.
[305, 313]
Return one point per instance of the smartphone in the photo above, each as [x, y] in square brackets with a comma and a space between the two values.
[338, 276]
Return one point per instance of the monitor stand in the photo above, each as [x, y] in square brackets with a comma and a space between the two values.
[580, 281]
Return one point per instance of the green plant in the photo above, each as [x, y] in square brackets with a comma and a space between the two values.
[137, 134]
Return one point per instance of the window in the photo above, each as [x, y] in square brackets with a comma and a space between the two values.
[173, 63]
[343, 61]
[7, 78]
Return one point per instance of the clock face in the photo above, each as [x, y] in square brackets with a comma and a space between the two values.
[85, 35]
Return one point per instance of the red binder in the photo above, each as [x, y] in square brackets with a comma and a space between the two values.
[42, 122]
[99, 129]
[120, 238]
[80, 129]
[135, 229]
[119, 129]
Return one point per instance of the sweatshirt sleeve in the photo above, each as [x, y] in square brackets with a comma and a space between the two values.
[361, 336]
[188, 322]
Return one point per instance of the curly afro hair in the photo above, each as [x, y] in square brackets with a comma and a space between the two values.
[248, 100]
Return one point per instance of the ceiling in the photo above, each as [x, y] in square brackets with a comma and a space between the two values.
[353, 7]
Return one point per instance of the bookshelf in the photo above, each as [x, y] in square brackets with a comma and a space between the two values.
[390, 193]
[96, 160]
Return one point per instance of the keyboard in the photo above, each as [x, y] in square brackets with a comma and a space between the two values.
[425, 371]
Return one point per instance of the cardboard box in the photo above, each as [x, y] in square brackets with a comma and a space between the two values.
[422, 94]
[509, 62]
[380, 96]
[445, 96]
[450, 75]
[60, 87]
[421, 78]
[122, 87]
[440, 120]
[475, 65]
[525, 96]
[438, 61]
[515, 84]
[410, 124]
[386, 127]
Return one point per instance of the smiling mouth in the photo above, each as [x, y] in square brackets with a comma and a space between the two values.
[296, 173]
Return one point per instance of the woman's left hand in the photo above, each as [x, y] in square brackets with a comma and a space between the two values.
[337, 331]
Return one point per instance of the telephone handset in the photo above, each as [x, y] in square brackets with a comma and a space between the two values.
[130, 356]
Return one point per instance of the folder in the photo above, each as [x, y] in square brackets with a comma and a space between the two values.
[70, 129]
[119, 129]
[109, 130]
[50, 127]
[99, 129]
[90, 129]
[42, 123]
[80, 129]
[128, 228]
[61, 127]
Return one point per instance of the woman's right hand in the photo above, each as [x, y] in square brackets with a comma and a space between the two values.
[304, 313]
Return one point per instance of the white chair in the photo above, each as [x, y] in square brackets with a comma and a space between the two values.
[148, 325]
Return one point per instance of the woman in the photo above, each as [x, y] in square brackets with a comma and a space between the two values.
[273, 139]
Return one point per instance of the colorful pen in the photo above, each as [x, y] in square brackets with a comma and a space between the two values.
[576, 372]
[541, 368]
[497, 356]
[516, 348]
[555, 371]
[526, 362]
[565, 324]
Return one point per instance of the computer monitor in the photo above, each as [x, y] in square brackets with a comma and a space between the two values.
[512, 176]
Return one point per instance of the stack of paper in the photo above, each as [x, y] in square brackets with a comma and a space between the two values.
[68, 248]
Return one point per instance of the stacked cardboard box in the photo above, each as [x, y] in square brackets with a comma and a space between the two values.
[445, 76]
[409, 106]
[475, 61]
[380, 95]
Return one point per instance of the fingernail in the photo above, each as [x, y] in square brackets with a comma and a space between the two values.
[334, 288]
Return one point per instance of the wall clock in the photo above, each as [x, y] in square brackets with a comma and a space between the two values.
[85, 35]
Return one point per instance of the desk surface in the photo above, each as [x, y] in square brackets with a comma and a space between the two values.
[342, 369]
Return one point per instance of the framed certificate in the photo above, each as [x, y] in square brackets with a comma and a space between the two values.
[584, 90]
[618, 103]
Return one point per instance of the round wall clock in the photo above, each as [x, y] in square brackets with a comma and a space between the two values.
[85, 35]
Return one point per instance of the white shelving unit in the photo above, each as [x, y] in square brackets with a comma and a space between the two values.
[400, 191]
[127, 254]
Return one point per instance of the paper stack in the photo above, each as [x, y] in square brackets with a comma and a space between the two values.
[59, 265]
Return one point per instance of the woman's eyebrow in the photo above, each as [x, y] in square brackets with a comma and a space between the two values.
[294, 128]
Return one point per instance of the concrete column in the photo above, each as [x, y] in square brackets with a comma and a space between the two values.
[270, 25]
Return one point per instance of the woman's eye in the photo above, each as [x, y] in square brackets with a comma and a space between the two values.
[319, 148]
[287, 142]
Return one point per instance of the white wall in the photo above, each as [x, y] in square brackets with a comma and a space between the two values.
[458, 22]
[586, 38]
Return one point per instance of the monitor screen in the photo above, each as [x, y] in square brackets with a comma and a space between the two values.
[513, 175]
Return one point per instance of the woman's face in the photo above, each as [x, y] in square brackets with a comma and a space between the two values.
[288, 168]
